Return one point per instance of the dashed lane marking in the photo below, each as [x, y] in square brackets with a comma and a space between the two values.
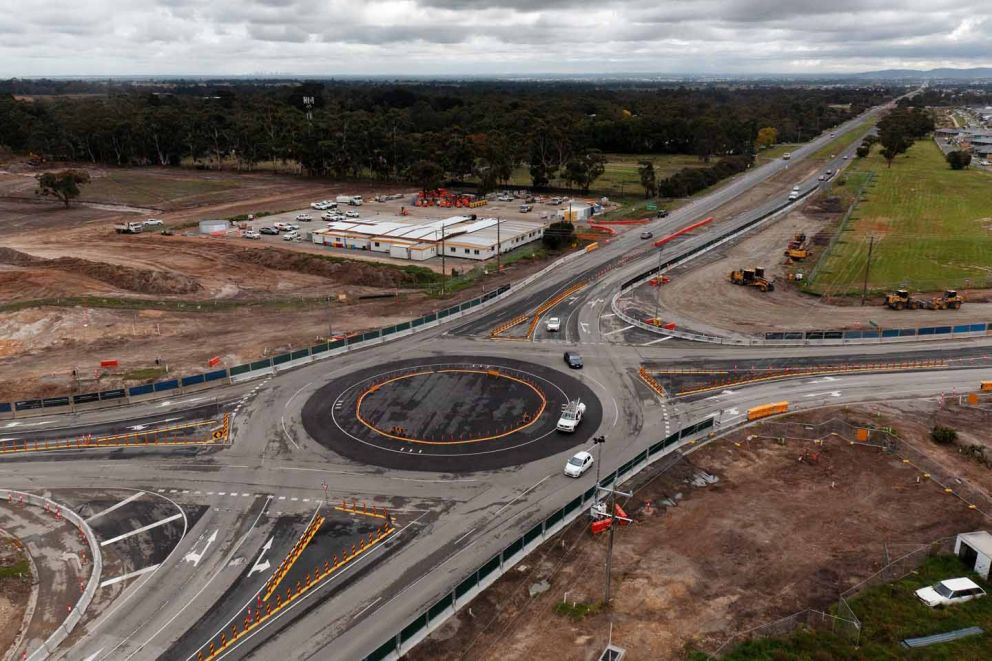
[142, 529]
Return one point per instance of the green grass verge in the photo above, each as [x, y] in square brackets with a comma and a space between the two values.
[932, 228]
[19, 568]
[889, 614]
[143, 374]
[840, 143]
[776, 152]
[576, 611]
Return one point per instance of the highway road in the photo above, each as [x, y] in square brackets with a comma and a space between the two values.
[258, 494]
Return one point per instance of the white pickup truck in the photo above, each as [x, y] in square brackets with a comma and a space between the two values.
[129, 228]
[571, 416]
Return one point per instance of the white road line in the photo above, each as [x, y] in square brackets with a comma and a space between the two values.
[465, 535]
[245, 495]
[118, 505]
[529, 489]
[362, 612]
[111, 581]
[660, 339]
[161, 522]
[221, 493]
[223, 566]
[619, 330]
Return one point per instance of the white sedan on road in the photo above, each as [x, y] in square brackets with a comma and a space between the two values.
[553, 325]
[578, 464]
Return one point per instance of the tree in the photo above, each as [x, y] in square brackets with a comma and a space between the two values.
[767, 137]
[584, 169]
[863, 150]
[64, 185]
[958, 160]
[428, 175]
[648, 179]
[943, 435]
[894, 141]
[558, 235]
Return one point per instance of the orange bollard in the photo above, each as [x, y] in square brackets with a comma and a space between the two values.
[234, 631]
[199, 656]
[298, 586]
[268, 608]
[327, 566]
[289, 593]
[223, 640]
[212, 648]
[370, 538]
[308, 578]
[353, 549]
[335, 561]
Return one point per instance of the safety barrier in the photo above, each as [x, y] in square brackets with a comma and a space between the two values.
[652, 384]
[793, 372]
[484, 576]
[272, 603]
[202, 432]
[89, 590]
[265, 366]
[766, 410]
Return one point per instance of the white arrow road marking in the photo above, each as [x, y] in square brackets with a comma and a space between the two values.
[833, 393]
[596, 301]
[260, 566]
[196, 557]
[731, 411]
[585, 326]
[72, 557]
[727, 392]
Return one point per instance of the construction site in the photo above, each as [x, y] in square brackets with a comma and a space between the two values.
[813, 502]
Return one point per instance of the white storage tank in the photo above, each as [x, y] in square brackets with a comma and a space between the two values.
[214, 226]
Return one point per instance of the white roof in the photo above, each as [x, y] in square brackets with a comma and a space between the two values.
[959, 583]
[583, 454]
[980, 540]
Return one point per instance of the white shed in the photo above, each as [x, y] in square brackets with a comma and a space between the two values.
[214, 226]
[975, 551]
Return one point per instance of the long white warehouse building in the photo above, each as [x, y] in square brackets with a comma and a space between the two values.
[465, 237]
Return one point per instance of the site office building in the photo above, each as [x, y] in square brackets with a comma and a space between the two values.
[464, 237]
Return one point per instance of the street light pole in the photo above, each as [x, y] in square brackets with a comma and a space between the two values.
[612, 514]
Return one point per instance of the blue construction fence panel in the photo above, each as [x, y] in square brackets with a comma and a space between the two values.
[5, 407]
[27, 404]
[86, 397]
[193, 379]
[216, 374]
[163, 386]
[134, 391]
[55, 401]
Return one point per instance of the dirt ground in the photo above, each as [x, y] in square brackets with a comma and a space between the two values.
[15, 592]
[771, 537]
[48, 252]
[746, 310]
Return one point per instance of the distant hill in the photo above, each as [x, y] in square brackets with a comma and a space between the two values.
[977, 73]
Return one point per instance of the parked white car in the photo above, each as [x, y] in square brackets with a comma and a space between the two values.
[578, 464]
[291, 236]
[553, 325]
[950, 591]
[352, 214]
[794, 195]
[282, 227]
[251, 234]
[153, 222]
[303, 218]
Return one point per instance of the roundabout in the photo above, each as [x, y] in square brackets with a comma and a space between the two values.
[463, 414]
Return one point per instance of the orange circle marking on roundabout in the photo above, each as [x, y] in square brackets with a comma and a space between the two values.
[491, 372]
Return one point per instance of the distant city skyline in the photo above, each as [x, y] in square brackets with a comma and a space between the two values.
[489, 37]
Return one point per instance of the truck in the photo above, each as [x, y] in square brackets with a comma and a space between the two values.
[571, 416]
[353, 200]
[129, 228]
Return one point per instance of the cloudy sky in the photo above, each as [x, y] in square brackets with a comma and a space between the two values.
[424, 37]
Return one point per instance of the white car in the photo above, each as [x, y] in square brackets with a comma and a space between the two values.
[153, 222]
[282, 227]
[251, 234]
[504, 198]
[303, 218]
[571, 416]
[319, 206]
[352, 214]
[794, 195]
[553, 325]
[578, 464]
[950, 591]
[292, 235]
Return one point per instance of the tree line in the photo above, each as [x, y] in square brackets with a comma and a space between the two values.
[424, 132]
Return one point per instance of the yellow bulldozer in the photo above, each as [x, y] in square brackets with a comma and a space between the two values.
[752, 277]
[901, 300]
[797, 250]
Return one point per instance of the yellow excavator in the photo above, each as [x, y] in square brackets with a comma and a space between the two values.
[797, 250]
[752, 277]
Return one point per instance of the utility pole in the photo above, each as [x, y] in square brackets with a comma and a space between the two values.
[498, 249]
[612, 515]
[600, 441]
[444, 271]
[864, 288]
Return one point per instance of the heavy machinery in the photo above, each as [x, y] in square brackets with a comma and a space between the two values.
[797, 250]
[901, 300]
[752, 277]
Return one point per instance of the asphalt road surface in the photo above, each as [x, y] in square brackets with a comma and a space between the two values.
[246, 504]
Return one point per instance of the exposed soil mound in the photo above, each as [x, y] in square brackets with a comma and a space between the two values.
[343, 271]
[142, 281]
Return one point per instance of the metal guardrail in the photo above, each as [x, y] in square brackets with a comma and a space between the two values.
[451, 601]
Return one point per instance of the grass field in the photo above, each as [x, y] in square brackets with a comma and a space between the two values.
[838, 144]
[932, 228]
[139, 187]
[776, 152]
[889, 614]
